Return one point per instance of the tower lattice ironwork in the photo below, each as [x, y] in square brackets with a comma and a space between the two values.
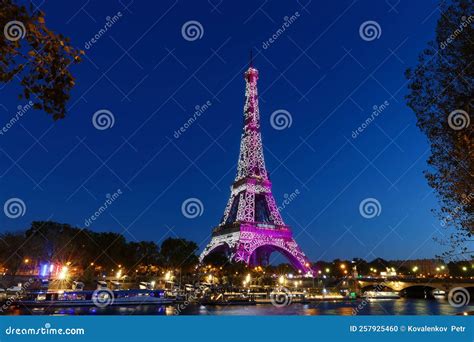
[252, 227]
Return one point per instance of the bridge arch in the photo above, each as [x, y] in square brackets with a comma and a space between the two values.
[419, 290]
[261, 255]
[222, 247]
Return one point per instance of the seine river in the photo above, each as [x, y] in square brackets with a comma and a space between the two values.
[401, 306]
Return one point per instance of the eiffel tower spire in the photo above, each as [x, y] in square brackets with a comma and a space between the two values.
[251, 162]
[252, 228]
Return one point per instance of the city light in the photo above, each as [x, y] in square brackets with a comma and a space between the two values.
[63, 274]
[415, 268]
[342, 266]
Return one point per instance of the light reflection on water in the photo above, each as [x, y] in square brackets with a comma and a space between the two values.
[378, 307]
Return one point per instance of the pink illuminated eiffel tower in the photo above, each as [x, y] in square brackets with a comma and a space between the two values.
[252, 228]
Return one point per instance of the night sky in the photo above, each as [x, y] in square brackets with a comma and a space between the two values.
[320, 70]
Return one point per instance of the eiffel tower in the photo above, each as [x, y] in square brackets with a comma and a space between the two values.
[252, 228]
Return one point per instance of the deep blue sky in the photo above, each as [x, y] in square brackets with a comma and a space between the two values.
[151, 79]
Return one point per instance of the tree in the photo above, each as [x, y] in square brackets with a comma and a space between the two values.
[12, 247]
[37, 57]
[179, 253]
[442, 96]
[144, 253]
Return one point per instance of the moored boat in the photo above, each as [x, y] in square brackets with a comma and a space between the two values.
[100, 298]
[381, 295]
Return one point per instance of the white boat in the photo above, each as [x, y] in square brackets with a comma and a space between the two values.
[92, 298]
[381, 295]
[439, 293]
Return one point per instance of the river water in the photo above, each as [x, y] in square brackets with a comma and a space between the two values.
[401, 306]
